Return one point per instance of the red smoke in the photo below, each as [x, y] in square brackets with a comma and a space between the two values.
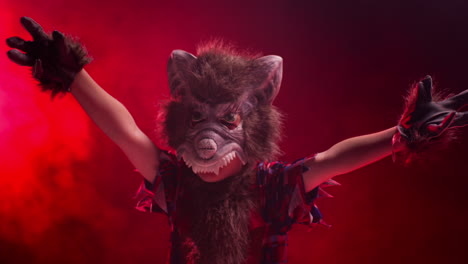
[66, 190]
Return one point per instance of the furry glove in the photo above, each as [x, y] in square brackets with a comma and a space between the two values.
[55, 59]
[425, 121]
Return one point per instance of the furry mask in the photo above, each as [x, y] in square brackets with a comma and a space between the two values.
[221, 107]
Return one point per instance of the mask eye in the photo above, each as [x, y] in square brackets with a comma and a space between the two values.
[197, 117]
[231, 120]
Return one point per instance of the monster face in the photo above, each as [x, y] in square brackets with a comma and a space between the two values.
[215, 138]
[221, 109]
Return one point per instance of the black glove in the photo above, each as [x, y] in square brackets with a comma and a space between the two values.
[55, 59]
[425, 122]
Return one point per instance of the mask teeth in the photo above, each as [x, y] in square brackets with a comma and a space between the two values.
[240, 158]
[229, 157]
[225, 161]
[215, 168]
[187, 162]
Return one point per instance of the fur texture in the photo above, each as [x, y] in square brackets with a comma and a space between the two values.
[57, 75]
[217, 217]
[214, 218]
[421, 146]
[222, 75]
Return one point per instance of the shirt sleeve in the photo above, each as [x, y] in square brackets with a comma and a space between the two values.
[157, 197]
[301, 204]
[286, 199]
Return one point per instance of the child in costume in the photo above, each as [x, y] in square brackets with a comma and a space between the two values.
[226, 198]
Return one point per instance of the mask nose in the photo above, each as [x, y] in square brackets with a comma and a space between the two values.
[206, 148]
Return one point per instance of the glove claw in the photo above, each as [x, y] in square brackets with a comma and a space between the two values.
[55, 58]
[59, 42]
[461, 119]
[36, 31]
[425, 123]
[20, 58]
[456, 102]
[424, 92]
[57, 35]
[18, 43]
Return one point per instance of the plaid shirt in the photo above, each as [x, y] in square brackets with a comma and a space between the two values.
[283, 202]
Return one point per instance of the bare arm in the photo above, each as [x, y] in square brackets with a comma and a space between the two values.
[348, 155]
[117, 123]
[57, 63]
[423, 116]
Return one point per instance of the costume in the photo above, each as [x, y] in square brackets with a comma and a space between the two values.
[226, 202]
[282, 198]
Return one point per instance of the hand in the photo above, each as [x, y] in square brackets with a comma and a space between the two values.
[425, 118]
[55, 60]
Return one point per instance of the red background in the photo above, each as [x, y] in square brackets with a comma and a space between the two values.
[66, 190]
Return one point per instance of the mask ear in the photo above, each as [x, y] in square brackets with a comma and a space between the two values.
[177, 67]
[270, 74]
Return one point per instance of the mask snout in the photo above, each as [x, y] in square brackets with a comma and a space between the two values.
[206, 148]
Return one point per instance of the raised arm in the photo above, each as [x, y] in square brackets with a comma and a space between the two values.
[116, 122]
[57, 63]
[348, 155]
[422, 124]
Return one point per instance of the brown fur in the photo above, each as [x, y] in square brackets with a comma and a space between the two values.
[222, 75]
[217, 215]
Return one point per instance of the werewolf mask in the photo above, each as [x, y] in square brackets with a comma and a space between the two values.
[221, 107]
